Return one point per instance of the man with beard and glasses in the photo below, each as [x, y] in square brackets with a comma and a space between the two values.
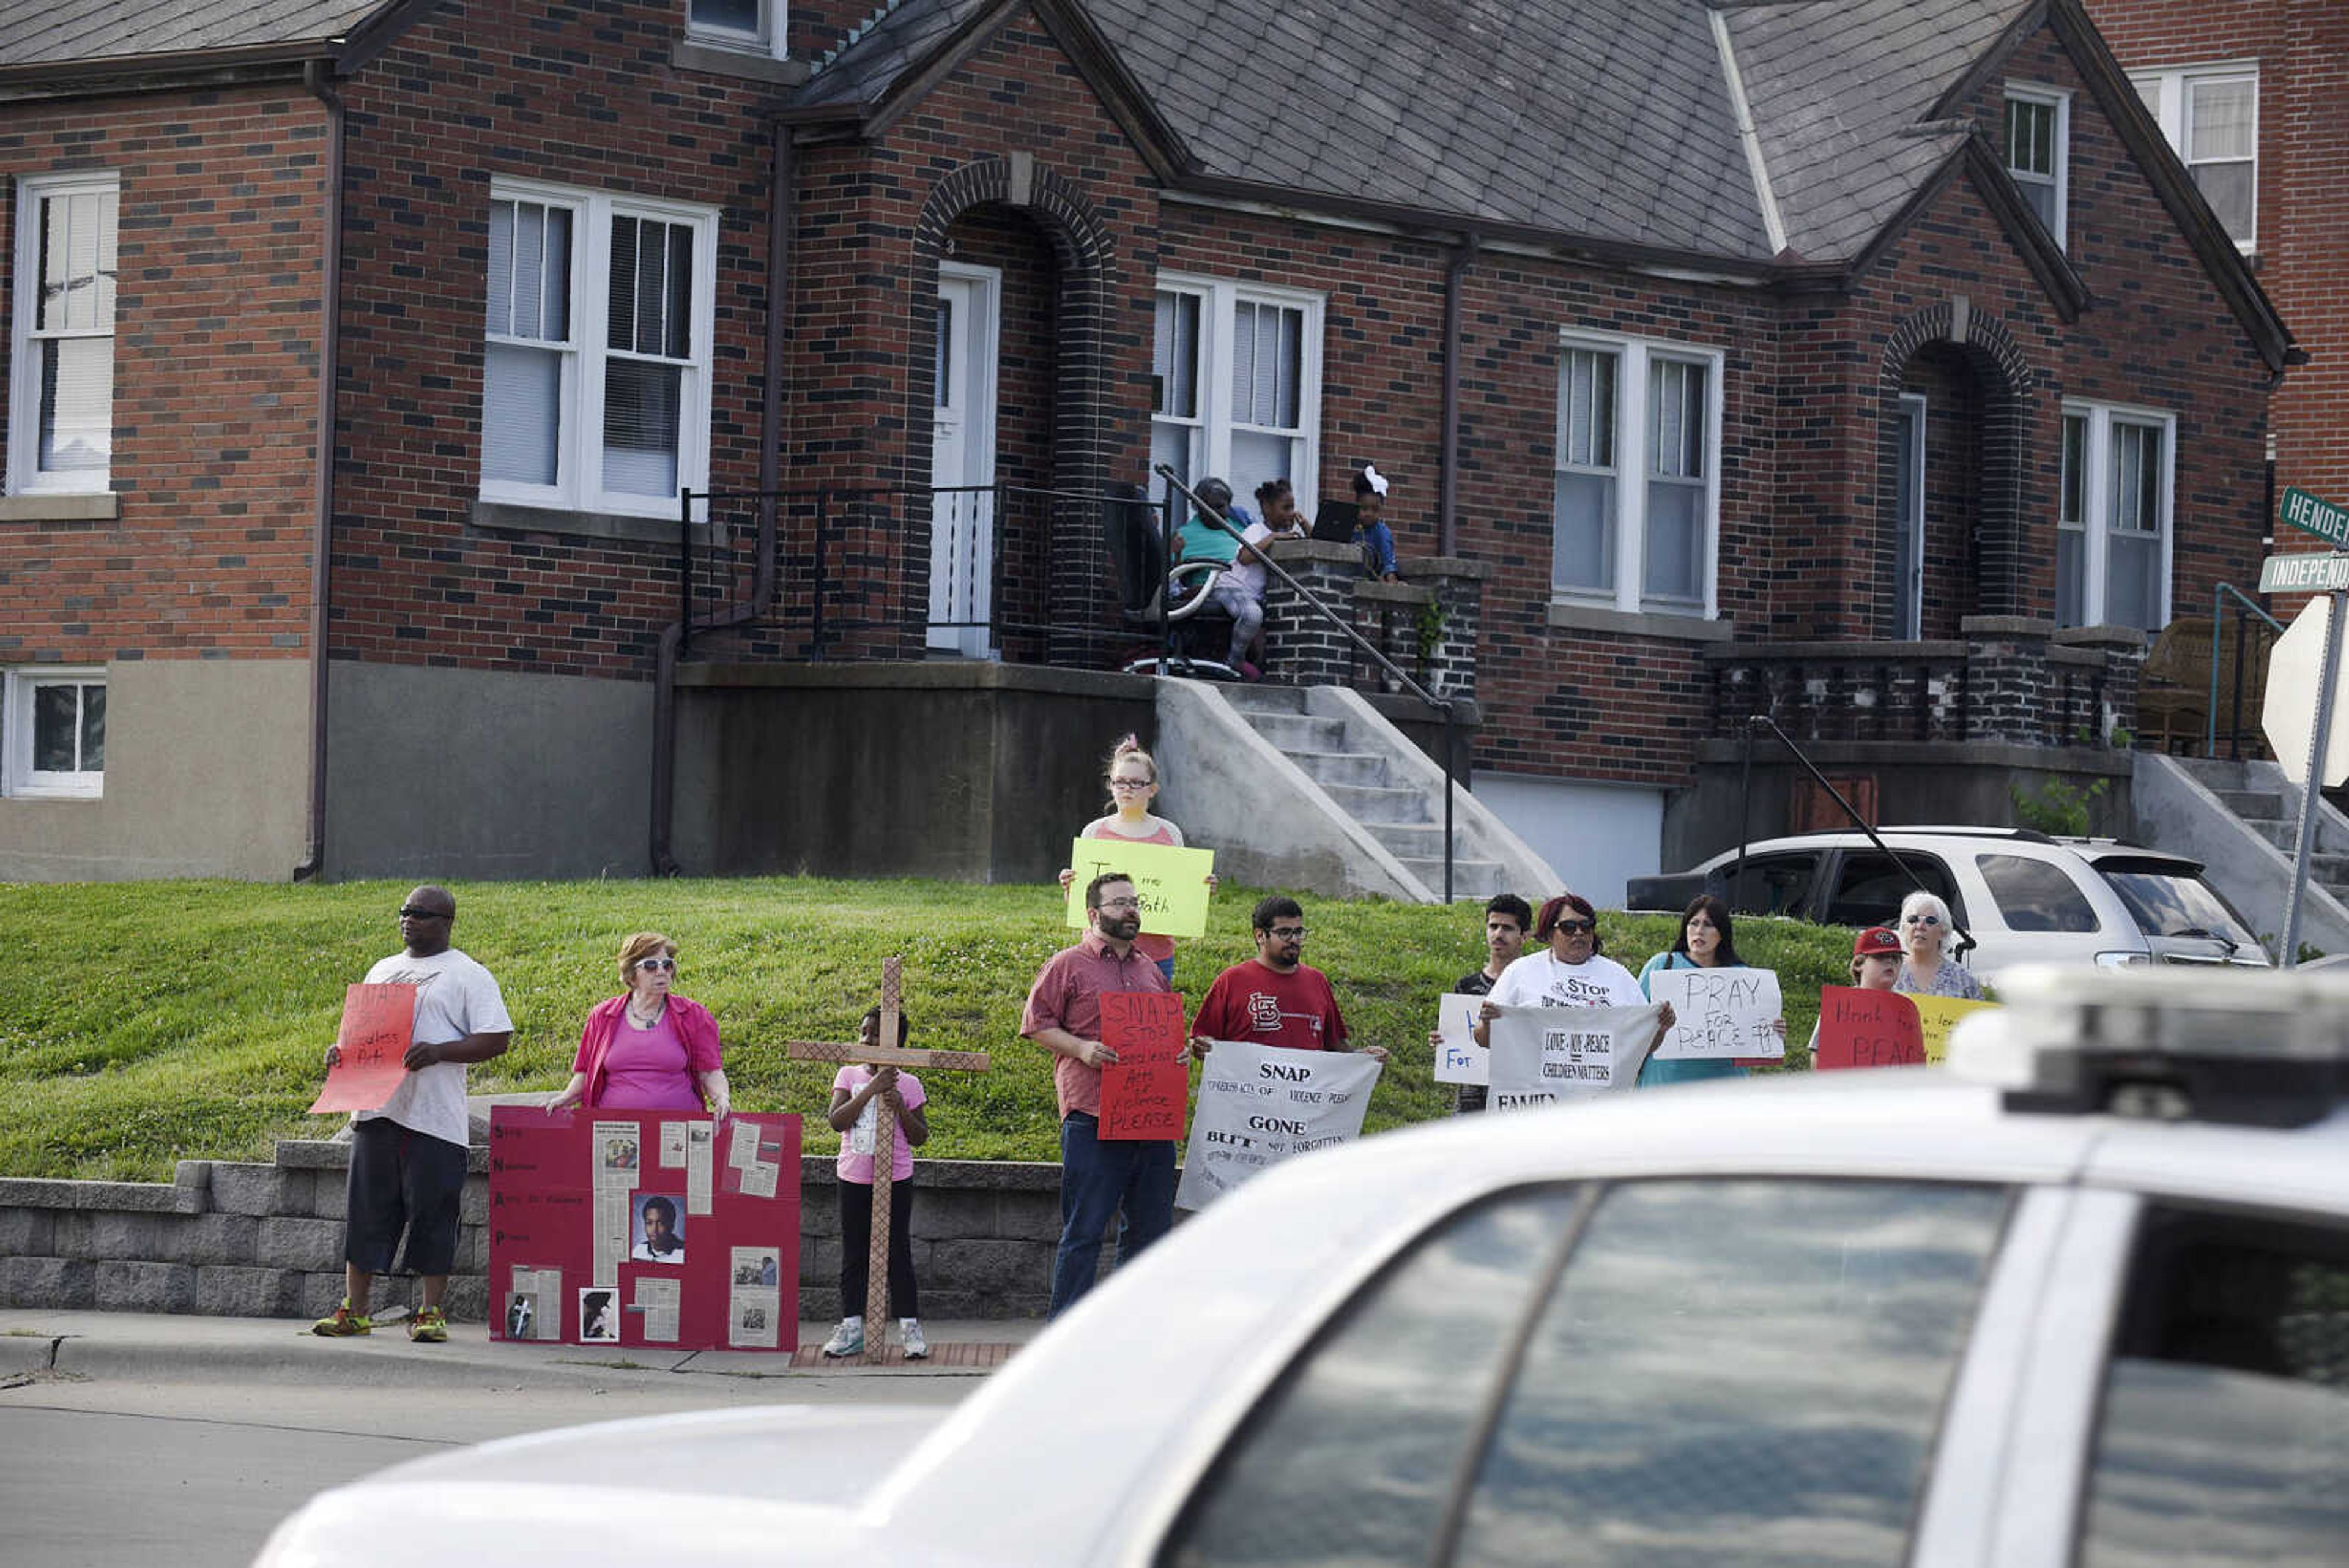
[1099, 1179]
[1273, 999]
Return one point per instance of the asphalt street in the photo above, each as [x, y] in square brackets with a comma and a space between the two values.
[135, 1441]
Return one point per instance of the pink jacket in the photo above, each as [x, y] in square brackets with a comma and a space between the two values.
[695, 1026]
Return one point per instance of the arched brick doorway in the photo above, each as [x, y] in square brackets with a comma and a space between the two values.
[1012, 238]
[1955, 536]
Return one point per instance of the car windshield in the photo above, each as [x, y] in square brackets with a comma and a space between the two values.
[2171, 901]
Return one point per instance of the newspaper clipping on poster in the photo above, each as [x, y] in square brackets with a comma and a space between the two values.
[1259, 1104]
[1543, 1054]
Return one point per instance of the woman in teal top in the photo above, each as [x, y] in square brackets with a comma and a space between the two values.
[1707, 940]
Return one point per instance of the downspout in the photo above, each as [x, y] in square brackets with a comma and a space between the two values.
[1447, 490]
[781, 213]
[315, 76]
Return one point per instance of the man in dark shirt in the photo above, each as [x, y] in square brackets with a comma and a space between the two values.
[1506, 919]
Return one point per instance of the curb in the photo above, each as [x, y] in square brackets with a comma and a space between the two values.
[190, 1349]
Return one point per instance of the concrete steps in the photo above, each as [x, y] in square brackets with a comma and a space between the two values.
[2242, 820]
[1358, 794]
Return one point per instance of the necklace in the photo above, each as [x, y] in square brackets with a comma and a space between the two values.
[646, 1020]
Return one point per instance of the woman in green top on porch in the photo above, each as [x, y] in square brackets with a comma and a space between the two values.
[1707, 940]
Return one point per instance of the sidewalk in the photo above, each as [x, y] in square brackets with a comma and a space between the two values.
[155, 1347]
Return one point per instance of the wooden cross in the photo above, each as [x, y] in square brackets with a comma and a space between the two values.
[885, 1136]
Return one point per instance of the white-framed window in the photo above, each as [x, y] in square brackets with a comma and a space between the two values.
[2114, 512]
[52, 731]
[1637, 474]
[752, 25]
[596, 373]
[2212, 116]
[1235, 369]
[2039, 151]
[61, 395]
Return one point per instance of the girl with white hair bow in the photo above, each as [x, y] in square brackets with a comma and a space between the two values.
[1377, 538]
[1925, 928]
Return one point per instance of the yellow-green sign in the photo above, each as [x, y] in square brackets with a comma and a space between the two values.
[1936, 1015]
[1170, 883]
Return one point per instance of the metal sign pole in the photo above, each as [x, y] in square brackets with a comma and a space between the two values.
[2320, 744]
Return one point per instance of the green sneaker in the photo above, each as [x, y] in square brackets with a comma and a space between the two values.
[431, 1327]
[343, 1323]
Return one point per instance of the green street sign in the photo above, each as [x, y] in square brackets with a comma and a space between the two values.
[2305, 574]
[2322, 518]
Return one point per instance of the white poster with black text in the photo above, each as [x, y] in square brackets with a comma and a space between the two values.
[1259, 1104]
[1544, 1054]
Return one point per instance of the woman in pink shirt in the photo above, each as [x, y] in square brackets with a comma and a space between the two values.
[647, 1049]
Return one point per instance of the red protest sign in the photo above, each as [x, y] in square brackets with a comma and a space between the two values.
[377, 1021]
[1868, 1029]
[1145, 1091]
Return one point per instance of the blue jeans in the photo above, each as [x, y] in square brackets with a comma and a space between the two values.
[1097, 1181]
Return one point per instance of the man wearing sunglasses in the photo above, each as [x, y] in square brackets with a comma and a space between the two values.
[407, 1158]
[1274, 998]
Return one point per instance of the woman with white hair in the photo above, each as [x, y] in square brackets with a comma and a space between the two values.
[1925, 928]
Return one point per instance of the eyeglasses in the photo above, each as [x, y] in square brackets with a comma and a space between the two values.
[1286, 934]
[1133, 783]
[660, 963]
[1120, 904]
[1574, 927]
[1920, 919]
[410, 912]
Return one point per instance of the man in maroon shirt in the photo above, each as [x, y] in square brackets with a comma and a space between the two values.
[1272, 998]
[1099, 1179]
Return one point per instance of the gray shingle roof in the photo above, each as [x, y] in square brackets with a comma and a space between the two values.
[59, 32]
[1606, 119]
[1840, 90]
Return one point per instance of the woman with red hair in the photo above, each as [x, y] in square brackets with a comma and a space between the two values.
[1567, 971]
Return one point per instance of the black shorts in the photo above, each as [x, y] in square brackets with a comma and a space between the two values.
[402, 1179]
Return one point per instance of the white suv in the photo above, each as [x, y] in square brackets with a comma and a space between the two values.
[2023, 897]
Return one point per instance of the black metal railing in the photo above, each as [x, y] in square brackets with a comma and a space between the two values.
[1004, 571]
[2255, 635]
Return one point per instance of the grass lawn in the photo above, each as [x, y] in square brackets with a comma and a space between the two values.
[146, 1022]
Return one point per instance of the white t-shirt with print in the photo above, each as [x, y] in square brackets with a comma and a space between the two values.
[1538, 980]
[454, 997]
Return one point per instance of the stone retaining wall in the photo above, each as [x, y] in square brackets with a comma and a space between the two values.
[265, 1241]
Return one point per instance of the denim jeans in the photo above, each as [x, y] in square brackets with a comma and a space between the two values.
[1097, 1181]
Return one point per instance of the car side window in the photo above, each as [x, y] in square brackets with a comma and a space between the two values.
[1354, 1455]
[2225, 1433]
[1735, 1373]
[2036, 894]
[1772, 884]
[1869, 885]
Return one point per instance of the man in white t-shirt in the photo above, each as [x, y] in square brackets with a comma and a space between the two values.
[407, 1158]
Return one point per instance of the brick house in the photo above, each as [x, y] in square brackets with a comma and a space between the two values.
[1875, 362]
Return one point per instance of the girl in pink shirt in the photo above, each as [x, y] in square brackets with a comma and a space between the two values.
[860, 1096]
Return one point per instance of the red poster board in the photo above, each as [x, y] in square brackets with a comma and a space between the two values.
[1868, 1029]
[379, 1022]
[1146, 1090]
[741, 1258]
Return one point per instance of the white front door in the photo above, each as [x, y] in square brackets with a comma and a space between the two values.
[1909, 504]
[962, 461]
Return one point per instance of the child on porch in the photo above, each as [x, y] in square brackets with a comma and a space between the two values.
[859, 1095]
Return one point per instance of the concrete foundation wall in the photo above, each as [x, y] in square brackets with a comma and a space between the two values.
[484, 774]
[968, 771]
[1598, 835]
[1952, 784]
[207, 774]
[266, 1241]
